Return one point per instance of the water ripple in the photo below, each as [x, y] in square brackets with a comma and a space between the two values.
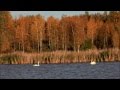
[61, 71]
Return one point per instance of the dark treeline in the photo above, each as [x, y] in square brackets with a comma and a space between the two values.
[70, 33]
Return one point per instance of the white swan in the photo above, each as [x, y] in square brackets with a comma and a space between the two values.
[36, 65]
[93, 63]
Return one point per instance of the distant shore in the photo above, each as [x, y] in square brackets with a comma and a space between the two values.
[108, 55]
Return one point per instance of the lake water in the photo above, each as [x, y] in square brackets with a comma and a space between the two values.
[109, 70]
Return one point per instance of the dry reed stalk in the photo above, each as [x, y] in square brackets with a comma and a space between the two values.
[61, 57]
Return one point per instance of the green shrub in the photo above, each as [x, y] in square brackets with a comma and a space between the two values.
[86, 45]
[104, 54]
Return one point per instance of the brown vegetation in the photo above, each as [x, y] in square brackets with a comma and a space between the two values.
[69, 39]
[108, 55]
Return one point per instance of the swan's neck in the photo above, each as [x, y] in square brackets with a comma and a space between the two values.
[38, 62]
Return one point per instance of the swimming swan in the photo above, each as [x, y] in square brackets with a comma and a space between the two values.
[93, 63]
[37, 64]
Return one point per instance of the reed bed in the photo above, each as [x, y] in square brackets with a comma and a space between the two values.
[106, 55]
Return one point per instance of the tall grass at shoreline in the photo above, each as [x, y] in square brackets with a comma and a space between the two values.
[106, 55]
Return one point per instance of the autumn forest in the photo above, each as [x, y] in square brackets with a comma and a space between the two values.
[71, 39]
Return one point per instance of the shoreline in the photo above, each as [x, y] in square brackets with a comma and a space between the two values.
[60, 57]
[65, 63]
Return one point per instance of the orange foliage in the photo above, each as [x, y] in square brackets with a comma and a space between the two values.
[35, 34]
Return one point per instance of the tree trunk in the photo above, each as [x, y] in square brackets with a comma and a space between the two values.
[19, 46]
[78, 48]
[38, 41]
[41, 39]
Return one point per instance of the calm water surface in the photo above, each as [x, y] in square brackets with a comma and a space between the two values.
[109, 70]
